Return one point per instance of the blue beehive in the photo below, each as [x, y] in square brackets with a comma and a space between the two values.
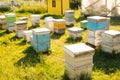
[41, 39]
[97, 23]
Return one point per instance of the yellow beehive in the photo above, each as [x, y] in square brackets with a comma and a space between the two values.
[59, 24]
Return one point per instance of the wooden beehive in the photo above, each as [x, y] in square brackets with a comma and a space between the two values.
[27, 34]
[2, 22]
[59, 26]
[75, 32]
[20, 26]
[94, 37]
[69, 17]
[83, 24]
[78, 59]
[97, 23]
[49, 23]
[111, 41]
[10, 19]
[41, 39]
[35, 18]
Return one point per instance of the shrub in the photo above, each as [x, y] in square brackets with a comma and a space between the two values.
[33, 7]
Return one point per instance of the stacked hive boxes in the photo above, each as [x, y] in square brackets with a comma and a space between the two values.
[78, 60]
[49, 23]
[10, 19]
[2, 22]
[69, 17]
[59, 26]
[35, 20]
[111, 41]
[75, 32]
[96, 25]
[20, 26]
[83, 24]
[27, 34]
[41, 39]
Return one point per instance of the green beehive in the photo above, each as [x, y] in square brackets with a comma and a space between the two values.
[10, 18]
[83, 24]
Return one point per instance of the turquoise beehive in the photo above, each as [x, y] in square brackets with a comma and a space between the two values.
[41, 39]
[97, 23]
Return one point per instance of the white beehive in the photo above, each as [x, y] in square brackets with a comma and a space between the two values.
[20, 26]
[10, 19]
[78, 59]
[94, 37]
[49, 23]
[69, 17]
[27, 35]
[2, 22]
[75, 32]
[35, 18]
[111, 41]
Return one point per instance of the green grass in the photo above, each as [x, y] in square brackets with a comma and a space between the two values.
[18, 60]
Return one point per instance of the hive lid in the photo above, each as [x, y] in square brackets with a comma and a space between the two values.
[59, 20]
[10, 15]
[84, 21]
[78, 49]
[97, 18]
[41, 30]
[23, 18]
[27, 31]
[20, 22]
[112, 32]
[75, 29]
[1, 17]
[35, 15]
[69, 11]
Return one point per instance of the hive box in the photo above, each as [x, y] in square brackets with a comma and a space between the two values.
[83, 24]
[20, 26]
[59, 26]
[27, 35]
[69, 17]
[10, 26]
[49, 23]
[78, 59]
[97, 23]
[94, 37]
[10, 19]
[75, 32]
[111, 41]
[2, 22]
[41, 39]
[75, 73]
[35, 18]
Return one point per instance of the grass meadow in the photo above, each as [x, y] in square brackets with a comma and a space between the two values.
[19, 61]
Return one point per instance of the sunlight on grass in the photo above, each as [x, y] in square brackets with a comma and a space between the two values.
[18, 60]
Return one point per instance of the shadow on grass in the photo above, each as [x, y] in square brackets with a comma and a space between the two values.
[2, 33]
[115, 21]
[109, 63]
[31, 58]
[33, 27]
[71, 40]
[56, 36]
[54, 16]
[22, 43]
